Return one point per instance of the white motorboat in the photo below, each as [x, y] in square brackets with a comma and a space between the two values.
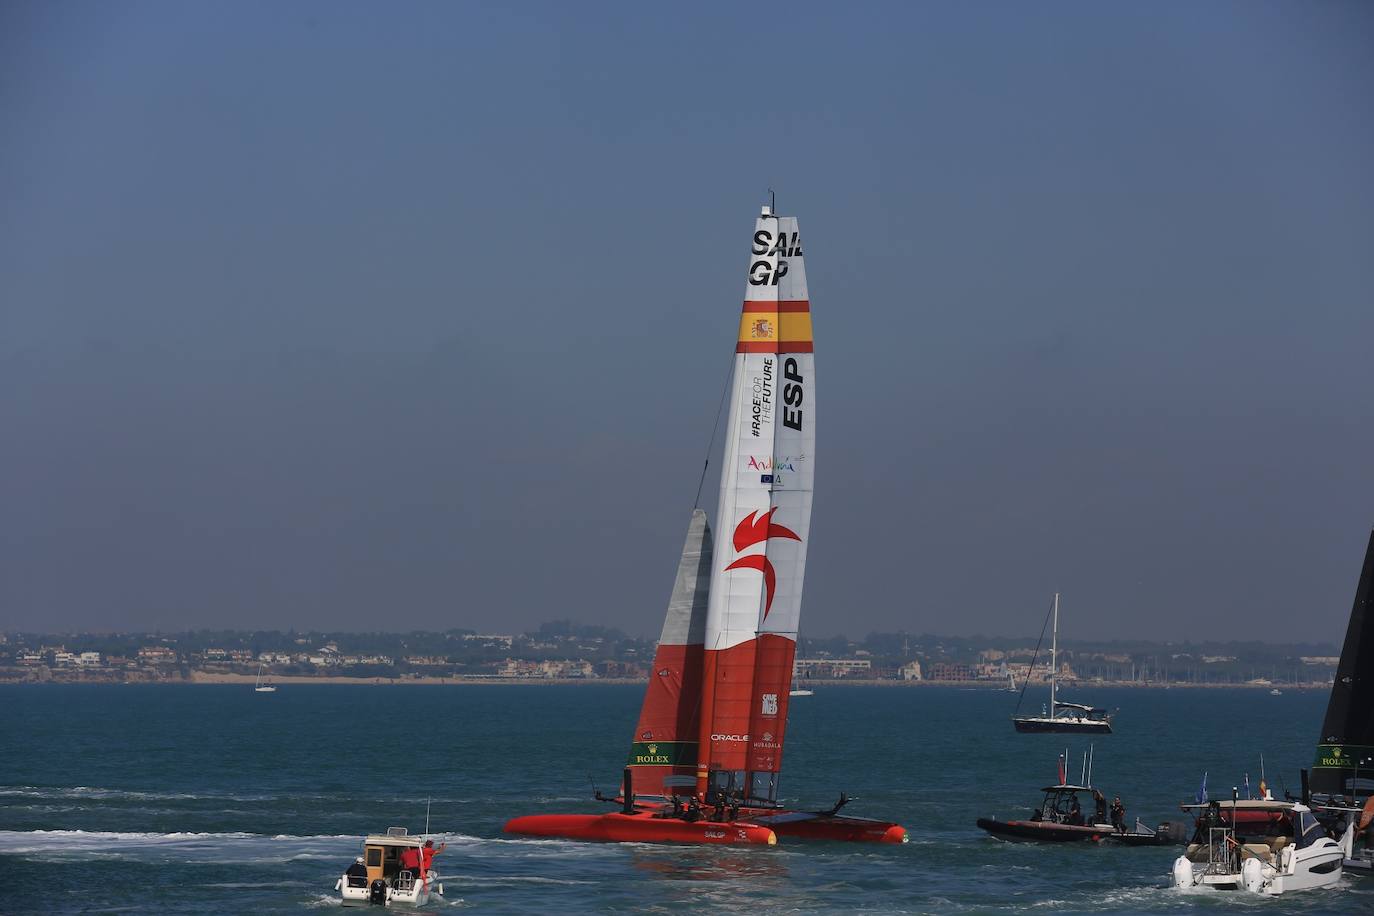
[261, 686]
[387, 872]
[1261, 846]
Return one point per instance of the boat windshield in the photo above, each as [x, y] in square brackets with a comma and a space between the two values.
[1309, 831]
[1058, 806]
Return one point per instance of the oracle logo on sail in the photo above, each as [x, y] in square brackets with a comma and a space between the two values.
[744, 738]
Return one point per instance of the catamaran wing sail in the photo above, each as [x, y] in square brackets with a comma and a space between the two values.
[1345, 753]
[664, 751]
[765, 515]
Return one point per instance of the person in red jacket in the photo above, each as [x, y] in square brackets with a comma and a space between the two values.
[410, 860]
[429, 852]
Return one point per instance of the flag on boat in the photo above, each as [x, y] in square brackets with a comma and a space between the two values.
[1061, 769]
[1201, 796]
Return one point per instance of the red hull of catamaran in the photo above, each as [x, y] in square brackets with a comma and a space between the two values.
[843, 830]
[758, 825]
[641, 827]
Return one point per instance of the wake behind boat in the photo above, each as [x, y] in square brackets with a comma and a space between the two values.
[707, 751]
[1061, 717]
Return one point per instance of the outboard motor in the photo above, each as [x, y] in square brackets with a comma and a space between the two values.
[376, 893]
[1183, 872]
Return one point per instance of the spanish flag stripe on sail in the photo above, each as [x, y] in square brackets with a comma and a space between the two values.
[772, 331]
[767, 305]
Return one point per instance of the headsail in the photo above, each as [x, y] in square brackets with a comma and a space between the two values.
[1345, 752]
[765, 516]
[664, 751]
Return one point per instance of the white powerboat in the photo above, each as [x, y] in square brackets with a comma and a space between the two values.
[386, 873]
[1261, 846]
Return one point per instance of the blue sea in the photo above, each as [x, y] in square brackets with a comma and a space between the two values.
[215, 799]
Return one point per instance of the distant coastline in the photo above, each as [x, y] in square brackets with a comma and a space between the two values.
[199, 678]
[564, 652]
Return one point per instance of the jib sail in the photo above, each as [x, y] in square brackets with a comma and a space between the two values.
[1345, 752]
[664, 751]
[763, 522]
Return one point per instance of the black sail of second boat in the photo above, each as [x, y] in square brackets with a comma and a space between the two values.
[1345, 750]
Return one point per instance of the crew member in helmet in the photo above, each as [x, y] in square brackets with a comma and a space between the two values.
[357, 872]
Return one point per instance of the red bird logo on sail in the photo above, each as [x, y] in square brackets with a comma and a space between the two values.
[759, 529]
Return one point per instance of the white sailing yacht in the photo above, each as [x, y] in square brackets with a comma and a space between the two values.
[261, 686]
[1061, 717]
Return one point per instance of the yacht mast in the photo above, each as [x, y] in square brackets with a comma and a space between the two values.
[1054, 655]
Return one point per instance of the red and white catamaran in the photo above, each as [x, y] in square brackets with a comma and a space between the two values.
[707, 751]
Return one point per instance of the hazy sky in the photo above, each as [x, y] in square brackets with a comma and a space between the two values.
[391, 316]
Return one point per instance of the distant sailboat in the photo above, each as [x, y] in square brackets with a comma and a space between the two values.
[1061, 717]
[799, 691]
[263, 686]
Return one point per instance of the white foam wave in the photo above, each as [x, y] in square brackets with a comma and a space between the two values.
[472, 881]
[105, 794]
[86, 842]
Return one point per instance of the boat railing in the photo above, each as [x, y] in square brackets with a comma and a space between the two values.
[1223, 853]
